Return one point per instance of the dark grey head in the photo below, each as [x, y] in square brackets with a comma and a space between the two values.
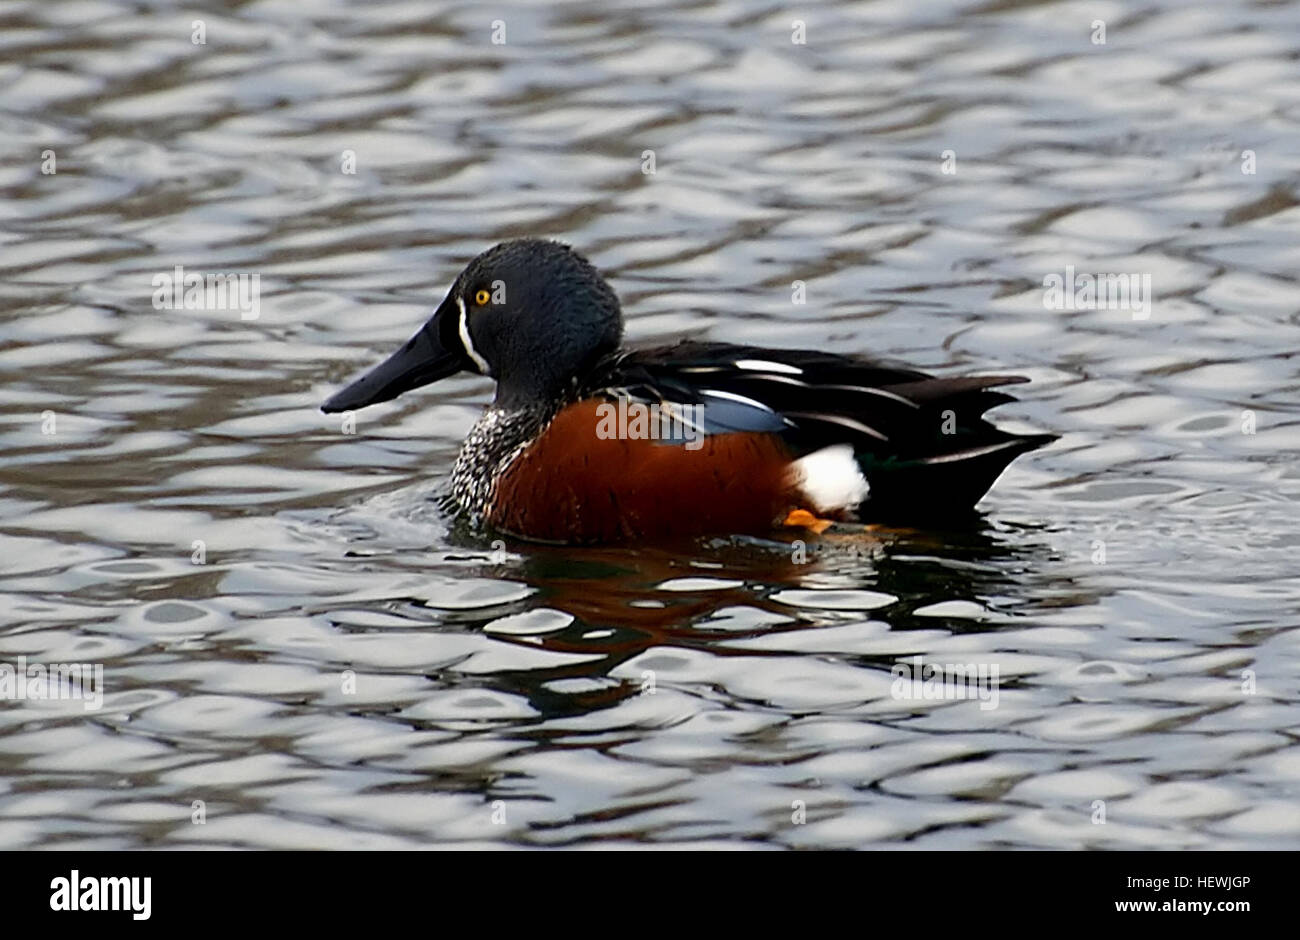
[531, 314]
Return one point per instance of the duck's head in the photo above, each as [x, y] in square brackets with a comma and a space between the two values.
[531, 314]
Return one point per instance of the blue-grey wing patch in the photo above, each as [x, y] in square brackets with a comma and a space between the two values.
[696, 413]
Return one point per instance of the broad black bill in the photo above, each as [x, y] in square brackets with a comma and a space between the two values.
[426, 357]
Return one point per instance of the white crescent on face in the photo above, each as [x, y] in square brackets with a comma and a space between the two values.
[466, 341]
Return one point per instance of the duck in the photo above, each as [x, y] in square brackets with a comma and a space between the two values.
[591, 441]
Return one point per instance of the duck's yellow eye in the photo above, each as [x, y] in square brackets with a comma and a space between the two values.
[481, 298]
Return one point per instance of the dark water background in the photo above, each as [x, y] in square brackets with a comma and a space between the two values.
[500, 695]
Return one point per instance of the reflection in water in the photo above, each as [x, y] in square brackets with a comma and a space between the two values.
[619, 603]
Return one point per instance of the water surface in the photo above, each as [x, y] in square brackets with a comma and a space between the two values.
[292, 634]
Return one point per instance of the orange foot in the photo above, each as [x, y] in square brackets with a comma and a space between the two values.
[803, 519]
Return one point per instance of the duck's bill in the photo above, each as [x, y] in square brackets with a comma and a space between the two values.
[424, 359]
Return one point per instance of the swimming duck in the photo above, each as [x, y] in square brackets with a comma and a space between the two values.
[589, 441]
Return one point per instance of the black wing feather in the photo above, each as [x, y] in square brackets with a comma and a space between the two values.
[921, 440]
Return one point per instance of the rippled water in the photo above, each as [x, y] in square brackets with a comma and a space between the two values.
[290, 633]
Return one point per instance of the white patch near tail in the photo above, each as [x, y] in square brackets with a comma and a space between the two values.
[830, 478]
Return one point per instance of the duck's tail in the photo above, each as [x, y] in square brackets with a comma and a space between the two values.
[955, 457]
